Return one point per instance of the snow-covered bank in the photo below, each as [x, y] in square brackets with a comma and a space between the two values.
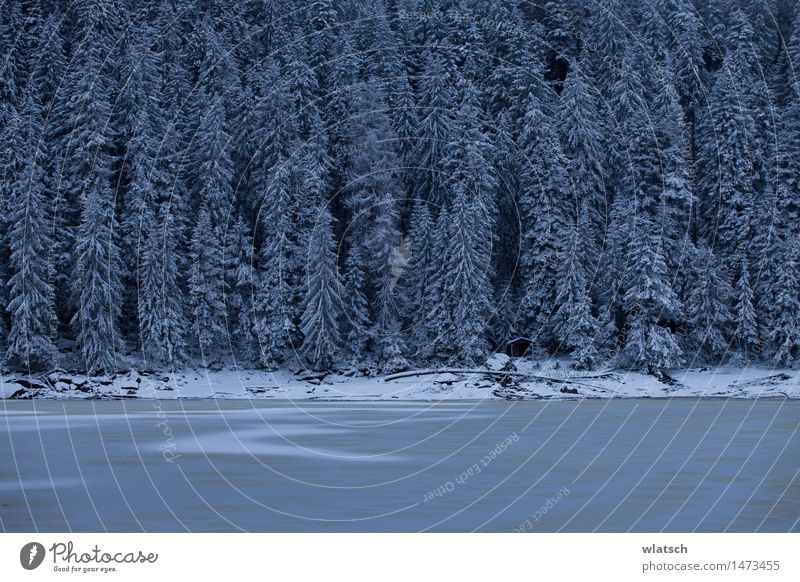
[551, 380]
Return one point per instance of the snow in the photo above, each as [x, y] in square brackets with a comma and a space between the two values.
[552, 379]
[497, 362]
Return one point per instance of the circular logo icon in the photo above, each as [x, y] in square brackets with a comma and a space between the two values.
[31, 555]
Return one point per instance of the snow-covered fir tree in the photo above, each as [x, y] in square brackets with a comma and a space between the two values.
[649, 302]
[783, 333]
[546, 197]
[207, 288]
[574, 321]
[272, 296]
[745, 331]
[31, 294]
[86, 184]
[415, 285]
[320, 324]
[708, 314]
[162, 320]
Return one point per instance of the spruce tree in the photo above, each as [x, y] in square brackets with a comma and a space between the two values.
[415, 294]
[320, 324]
[434, 133]
[97, 279]
[31, 292]
[546, 198]
[650, 303]
[87, 244]
[207, 288]
[582, 136]
[575, 325]
[744, 314]
[393, 349]
[356, 307]
[783, 334]
[725, 168]
[240, 274]
[162, 321]
[273, 323]
[708, 310]
[463, 302]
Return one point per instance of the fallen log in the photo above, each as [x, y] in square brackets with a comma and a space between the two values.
[412, 373]
[500, 373]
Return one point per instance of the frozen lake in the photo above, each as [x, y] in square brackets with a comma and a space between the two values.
[205, 465]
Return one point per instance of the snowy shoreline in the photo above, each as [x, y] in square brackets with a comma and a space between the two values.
[552, 380]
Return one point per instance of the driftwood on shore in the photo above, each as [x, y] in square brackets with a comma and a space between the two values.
[500, 373]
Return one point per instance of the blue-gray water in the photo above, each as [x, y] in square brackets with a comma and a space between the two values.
[616, 465]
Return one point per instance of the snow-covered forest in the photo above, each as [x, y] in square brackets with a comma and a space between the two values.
[398, 183]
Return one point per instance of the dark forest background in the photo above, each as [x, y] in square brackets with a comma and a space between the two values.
[396, 183]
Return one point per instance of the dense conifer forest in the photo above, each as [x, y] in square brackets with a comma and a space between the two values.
[400, 183]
